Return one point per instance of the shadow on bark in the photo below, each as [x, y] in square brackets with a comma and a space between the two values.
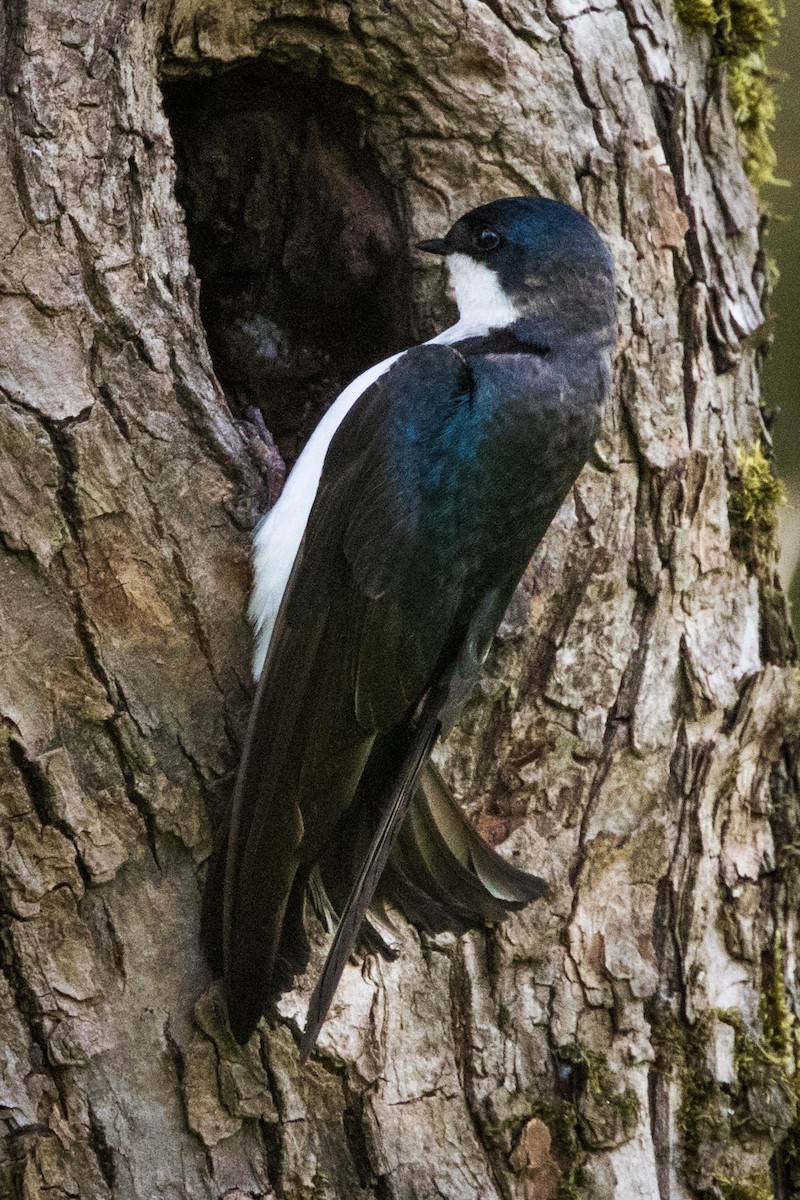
[296, 239]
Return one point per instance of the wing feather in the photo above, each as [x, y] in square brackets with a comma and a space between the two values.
[347, 659]
[393, 805]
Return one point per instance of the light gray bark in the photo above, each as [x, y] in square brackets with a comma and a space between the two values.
[633, 739]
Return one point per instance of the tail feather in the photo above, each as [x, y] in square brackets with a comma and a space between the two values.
[248, 976]
[480, 876]
[393, 808]
[440, 873]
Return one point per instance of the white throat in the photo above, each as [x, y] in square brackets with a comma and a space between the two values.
[481, 300]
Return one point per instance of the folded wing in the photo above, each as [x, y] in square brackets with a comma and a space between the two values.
[366, 626]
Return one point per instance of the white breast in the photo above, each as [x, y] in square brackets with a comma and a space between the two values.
[278, 535]
[482, 306]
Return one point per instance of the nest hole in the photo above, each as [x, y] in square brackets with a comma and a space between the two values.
[295, 237]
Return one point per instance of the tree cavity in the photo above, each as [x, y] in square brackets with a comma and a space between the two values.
[300, 251]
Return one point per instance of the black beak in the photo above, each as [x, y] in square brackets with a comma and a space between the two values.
[435, 246]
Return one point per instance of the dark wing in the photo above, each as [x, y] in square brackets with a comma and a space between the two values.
[392, 807]
[449, 877]
[358, 641]
[441, 872]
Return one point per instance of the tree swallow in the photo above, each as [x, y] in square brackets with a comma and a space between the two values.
[381, 577]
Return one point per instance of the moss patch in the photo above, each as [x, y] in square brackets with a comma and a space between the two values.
[782, 1035]
[607, 1113]
[600, 1113]
[754, 1187]
[764, 1092]
[568, 1151]
[776, 1017]
[703, 1115]
[741, 31]
[728, 1131]
[561, 1119]
[754, 500]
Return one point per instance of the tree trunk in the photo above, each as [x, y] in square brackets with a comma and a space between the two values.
[633, 739]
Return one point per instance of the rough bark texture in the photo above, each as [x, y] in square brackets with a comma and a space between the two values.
[632, 1037]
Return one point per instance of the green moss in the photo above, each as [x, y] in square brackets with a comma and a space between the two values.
[763, 1094]
[777, 1019]
[753, 503]
[682, 1052]
[742, 31]
[715, 1122]
[703, 1116]
[568, 1151]
[758, 1113]
[699, 14]
[754, 109]
[561, 1119]
[608, 1113]
[783, 1037]
[754, 500]
[603, 1114]
[753, 1187]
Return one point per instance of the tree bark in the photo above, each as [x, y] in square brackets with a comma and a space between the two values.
[634, 738]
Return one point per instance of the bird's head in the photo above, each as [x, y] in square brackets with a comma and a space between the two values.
[528, 257]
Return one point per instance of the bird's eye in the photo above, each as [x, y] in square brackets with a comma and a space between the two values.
[487, 239]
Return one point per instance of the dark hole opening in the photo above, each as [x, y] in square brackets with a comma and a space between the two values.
[296, 240]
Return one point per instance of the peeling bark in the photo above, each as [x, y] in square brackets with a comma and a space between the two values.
[634, 738]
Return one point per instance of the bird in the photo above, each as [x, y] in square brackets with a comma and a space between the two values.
[381, 576]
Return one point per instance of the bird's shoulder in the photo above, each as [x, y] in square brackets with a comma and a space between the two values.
[420, 392]
[367, 508]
